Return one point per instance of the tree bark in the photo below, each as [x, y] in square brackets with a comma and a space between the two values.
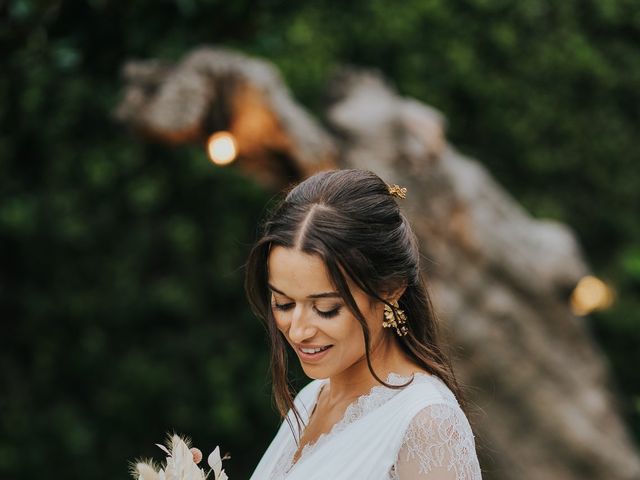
[544, 407]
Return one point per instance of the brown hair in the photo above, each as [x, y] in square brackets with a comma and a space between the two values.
[349, 218]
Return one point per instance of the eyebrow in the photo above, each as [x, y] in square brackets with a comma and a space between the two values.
[313, 295]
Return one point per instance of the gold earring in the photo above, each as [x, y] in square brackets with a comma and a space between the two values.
[395, 319]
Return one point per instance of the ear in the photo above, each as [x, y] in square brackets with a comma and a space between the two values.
[395, 295]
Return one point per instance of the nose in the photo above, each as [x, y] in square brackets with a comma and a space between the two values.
[301, 328]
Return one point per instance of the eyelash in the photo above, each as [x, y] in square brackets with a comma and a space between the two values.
[329, 314]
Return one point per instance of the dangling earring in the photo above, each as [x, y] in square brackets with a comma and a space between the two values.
[396, 319]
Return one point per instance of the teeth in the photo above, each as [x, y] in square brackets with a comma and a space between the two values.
[313, 350]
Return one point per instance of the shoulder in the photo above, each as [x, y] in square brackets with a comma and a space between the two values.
[439, 408]
[438, 441]
[436, 418]
[438, 437]
[429, 388]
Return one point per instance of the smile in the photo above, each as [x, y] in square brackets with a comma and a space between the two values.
[314, 350]
[313, 354]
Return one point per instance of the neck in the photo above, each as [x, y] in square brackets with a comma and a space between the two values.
[386, 357]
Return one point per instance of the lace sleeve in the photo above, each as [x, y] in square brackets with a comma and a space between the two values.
[438, 445]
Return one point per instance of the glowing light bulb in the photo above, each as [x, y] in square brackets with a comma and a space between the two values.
[222, 148]
[591, 294]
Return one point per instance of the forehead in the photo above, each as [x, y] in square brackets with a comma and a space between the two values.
[297, 273]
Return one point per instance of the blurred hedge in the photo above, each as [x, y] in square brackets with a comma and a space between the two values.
[120, 277]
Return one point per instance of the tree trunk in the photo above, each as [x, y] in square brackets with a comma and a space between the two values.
[501, 279]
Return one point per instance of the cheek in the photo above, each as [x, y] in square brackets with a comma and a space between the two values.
[373, 316]
[353, 335]
[280, 320]
[374, 321]
[349, 333]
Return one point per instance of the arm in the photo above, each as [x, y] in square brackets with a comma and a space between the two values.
[438, 445]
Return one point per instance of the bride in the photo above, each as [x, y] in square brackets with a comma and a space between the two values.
[336, 276]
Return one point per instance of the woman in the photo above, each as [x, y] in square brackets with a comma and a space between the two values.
[336, 276]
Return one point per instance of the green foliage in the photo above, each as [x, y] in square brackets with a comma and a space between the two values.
[125, 317]
[121, 281]
[120, 262]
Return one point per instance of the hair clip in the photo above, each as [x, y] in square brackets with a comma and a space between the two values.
[397, 191]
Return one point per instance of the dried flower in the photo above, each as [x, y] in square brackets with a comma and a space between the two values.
[197, 454]
[181, 463]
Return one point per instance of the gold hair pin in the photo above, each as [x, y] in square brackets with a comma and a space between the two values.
[397, 191]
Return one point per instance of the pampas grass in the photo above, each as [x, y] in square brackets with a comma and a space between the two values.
[181, 463]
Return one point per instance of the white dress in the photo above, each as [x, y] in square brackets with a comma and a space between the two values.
[415, 433]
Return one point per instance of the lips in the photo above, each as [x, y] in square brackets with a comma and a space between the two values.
[314, 350]
[313, 357]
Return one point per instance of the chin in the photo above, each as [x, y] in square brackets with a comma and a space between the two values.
[316, 372]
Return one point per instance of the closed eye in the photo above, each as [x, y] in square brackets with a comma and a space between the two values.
[325, 314]
[329, 314]
[284, 307]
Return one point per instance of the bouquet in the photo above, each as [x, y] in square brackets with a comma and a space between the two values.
[181, 463]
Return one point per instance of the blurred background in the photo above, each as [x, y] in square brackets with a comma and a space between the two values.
[121, 299]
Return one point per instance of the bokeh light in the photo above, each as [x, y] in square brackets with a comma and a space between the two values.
[591, 294]
[222, 148]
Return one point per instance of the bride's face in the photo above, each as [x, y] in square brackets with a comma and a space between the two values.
[311, 314]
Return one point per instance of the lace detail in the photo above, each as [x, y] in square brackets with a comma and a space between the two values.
[439, 443]
[364, 404]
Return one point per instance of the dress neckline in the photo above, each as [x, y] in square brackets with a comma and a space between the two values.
[360, 406]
